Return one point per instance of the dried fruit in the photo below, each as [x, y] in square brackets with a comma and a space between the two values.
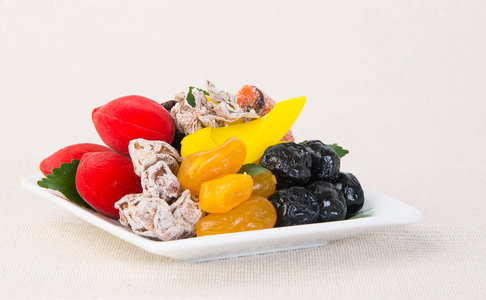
[137, 212]
[159, 182]
[103, 178]
[257, 134]
[220, 109]
[332, 206]
[146, 153]
[352, 191]
[203, 166]
[255, 213]
[154, 218]
[325, 161]
[67, 154]
[178, 135]
[187, 212]
[250, 98]
[264, 184]
[132, 117]
[289, 162]
[295, 206]
[224, 193]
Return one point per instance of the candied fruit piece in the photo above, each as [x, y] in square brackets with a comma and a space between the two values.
[257, 134]
[67, 154]
[255, 213]
[224, 193]
[332, 205]
[264, 184]
[325, 161]
[202, 166]
[352, 191]
[295, 206]
[250, 97]
[124, 119]
[103, 178]
[289, 162]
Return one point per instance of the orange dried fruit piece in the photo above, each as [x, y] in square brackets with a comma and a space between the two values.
[224, 193]
[264, 184]
[250, 97]
[255, 213]
[202, 166]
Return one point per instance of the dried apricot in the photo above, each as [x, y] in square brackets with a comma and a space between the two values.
[264, 184]
[224, 193]
[202, 166]
[255, 213]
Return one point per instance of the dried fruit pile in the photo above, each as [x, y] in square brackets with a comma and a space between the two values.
[208, 162]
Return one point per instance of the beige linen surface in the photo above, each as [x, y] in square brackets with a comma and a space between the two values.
[399, 84]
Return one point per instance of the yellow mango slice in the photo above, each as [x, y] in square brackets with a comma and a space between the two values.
[257, 134]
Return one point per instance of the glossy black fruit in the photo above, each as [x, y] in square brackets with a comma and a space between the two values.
[178, 136]
[295, 206]
[352, 191]
[332, 205]
[289, 162]
[325, 161]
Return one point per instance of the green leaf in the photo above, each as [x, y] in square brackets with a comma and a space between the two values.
[253, 170]
[339, 150]
[361, 214]
[62, 179]
[190, 97]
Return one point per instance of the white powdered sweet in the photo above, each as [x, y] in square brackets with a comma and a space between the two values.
[154, 218]
[222, 109]
[145, 153]
[158, 181]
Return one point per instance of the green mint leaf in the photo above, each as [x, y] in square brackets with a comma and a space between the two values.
[361, 214]
[339, 150]
[253, 170]
[62, 179]
[190, 97]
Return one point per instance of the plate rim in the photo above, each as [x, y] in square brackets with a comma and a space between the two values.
[409, 216]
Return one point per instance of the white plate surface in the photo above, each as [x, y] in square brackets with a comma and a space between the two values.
[386, 212]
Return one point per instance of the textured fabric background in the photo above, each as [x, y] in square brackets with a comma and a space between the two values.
[398, 83]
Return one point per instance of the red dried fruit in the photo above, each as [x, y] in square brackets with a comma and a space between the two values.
[132, 117]
[66, 154]
[250, 97]
[103, 178]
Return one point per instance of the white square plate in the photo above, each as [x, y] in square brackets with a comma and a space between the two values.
[386, 212]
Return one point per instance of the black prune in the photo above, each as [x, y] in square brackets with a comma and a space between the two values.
[169, 104]
[325, 161]
[352, 191]
[332, 205]
[295, 206]
[178, 136]
[289, 162]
